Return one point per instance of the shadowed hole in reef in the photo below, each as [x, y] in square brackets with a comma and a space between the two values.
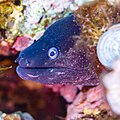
[41, 102]
[17, 2]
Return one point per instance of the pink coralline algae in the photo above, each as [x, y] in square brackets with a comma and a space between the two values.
[4, 48]
[21, 43]
[88, 103]
[67, 91]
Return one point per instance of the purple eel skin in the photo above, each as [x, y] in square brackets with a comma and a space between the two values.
[54, 59]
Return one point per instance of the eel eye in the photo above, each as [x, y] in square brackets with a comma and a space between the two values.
[53, 53]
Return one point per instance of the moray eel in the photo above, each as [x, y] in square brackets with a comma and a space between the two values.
[54, 59]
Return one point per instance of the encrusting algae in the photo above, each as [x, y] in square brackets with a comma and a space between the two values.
[95, 18]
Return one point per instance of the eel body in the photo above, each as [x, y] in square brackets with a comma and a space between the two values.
[55, 59]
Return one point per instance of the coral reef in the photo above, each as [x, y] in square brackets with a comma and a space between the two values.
[96, 17]
[28, 18]
[88, 104]
[11, 15]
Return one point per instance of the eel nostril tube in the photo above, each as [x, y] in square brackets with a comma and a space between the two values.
[20, 57]
[17, 59]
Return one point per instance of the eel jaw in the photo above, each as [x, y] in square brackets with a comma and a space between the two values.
[57, 76]
[47, 75]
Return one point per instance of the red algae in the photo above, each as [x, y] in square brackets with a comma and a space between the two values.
[21, 43]
[68, 92]
[89, 104]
